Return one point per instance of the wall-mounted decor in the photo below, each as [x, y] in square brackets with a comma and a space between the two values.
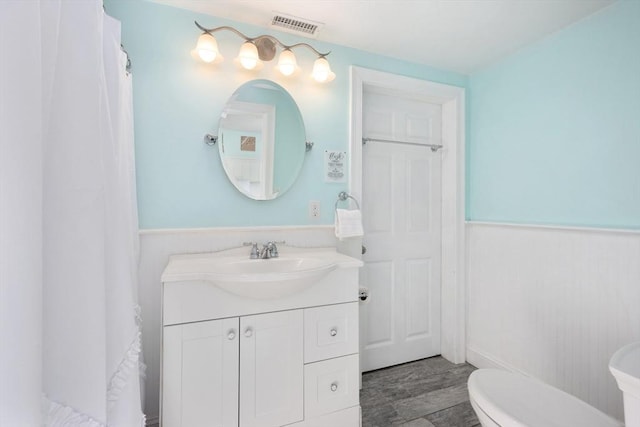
[334, 166]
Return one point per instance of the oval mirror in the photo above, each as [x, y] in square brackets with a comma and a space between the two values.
[261, 140]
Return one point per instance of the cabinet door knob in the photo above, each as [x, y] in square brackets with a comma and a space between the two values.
[231, 335]
[248, 332]
[333, 332]
[334, 386]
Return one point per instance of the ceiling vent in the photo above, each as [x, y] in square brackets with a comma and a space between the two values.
[295, 25]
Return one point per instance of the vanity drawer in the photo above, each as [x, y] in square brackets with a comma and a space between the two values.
[330, 331]
[331, 385]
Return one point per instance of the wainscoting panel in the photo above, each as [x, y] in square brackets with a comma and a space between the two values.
[155, 248]
[554, 303]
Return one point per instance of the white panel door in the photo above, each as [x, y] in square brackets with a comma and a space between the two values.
[271, 369]
[200, 374]
[401, 208]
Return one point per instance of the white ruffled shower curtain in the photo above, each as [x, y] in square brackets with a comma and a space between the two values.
[90, 333]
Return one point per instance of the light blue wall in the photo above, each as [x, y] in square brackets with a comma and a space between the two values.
[555, 128]
[177, 100]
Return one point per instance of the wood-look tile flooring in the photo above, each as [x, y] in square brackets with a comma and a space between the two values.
[426, 393]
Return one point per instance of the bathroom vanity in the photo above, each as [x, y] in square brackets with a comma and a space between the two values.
[260, 342]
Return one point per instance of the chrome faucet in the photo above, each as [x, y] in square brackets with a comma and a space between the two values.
[269, 250]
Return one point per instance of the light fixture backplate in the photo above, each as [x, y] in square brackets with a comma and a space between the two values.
[266, 48]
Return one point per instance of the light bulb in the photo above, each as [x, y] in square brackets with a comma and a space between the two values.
[287, 62]
[322, 71]
[207, 48]
[248, 55]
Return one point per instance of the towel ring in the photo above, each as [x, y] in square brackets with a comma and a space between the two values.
[343, 195]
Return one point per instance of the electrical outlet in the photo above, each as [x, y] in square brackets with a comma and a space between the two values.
[314, 209]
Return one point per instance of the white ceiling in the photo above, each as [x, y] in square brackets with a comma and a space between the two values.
[456, 35]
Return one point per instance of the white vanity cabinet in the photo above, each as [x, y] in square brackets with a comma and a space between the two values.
[271, 369]
[200, 364]
[230, 360]
[206, 365]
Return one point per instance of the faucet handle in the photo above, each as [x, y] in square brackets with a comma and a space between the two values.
[273, 249]
[254, 249]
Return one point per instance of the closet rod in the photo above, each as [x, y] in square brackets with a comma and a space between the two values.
[434, 147]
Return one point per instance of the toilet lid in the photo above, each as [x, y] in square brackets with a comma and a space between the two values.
[513, 400]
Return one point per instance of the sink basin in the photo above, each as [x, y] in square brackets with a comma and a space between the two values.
[625, 367]
[269, 278]
[294, 271]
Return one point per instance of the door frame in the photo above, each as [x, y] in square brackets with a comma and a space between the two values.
[452, 100]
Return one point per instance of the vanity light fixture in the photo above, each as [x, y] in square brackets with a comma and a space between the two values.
[255, 50]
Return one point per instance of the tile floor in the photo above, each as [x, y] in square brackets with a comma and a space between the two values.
[426, 393]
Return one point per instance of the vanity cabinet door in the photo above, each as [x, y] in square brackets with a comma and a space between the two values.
[200, 374]
[271, 369]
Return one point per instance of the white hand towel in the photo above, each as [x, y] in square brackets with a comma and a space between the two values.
[348, 223]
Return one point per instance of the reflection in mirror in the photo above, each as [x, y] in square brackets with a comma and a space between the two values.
[261, 140]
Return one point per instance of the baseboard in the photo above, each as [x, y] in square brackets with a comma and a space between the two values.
[484, 361]
[153, 422]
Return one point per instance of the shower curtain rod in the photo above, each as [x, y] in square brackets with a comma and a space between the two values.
[434, 147]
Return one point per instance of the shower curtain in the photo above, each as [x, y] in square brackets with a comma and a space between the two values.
[90, 332]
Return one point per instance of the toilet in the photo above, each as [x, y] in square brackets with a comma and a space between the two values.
[508, 399]
[625, 367]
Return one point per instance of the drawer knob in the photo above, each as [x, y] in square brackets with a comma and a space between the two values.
[333, 332]
[248, 332]
[334, 386]
[231, 335]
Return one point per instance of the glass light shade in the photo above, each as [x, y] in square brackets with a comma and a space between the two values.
[322, 71]
[207, 48]
[248, 55]
[287, 62]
